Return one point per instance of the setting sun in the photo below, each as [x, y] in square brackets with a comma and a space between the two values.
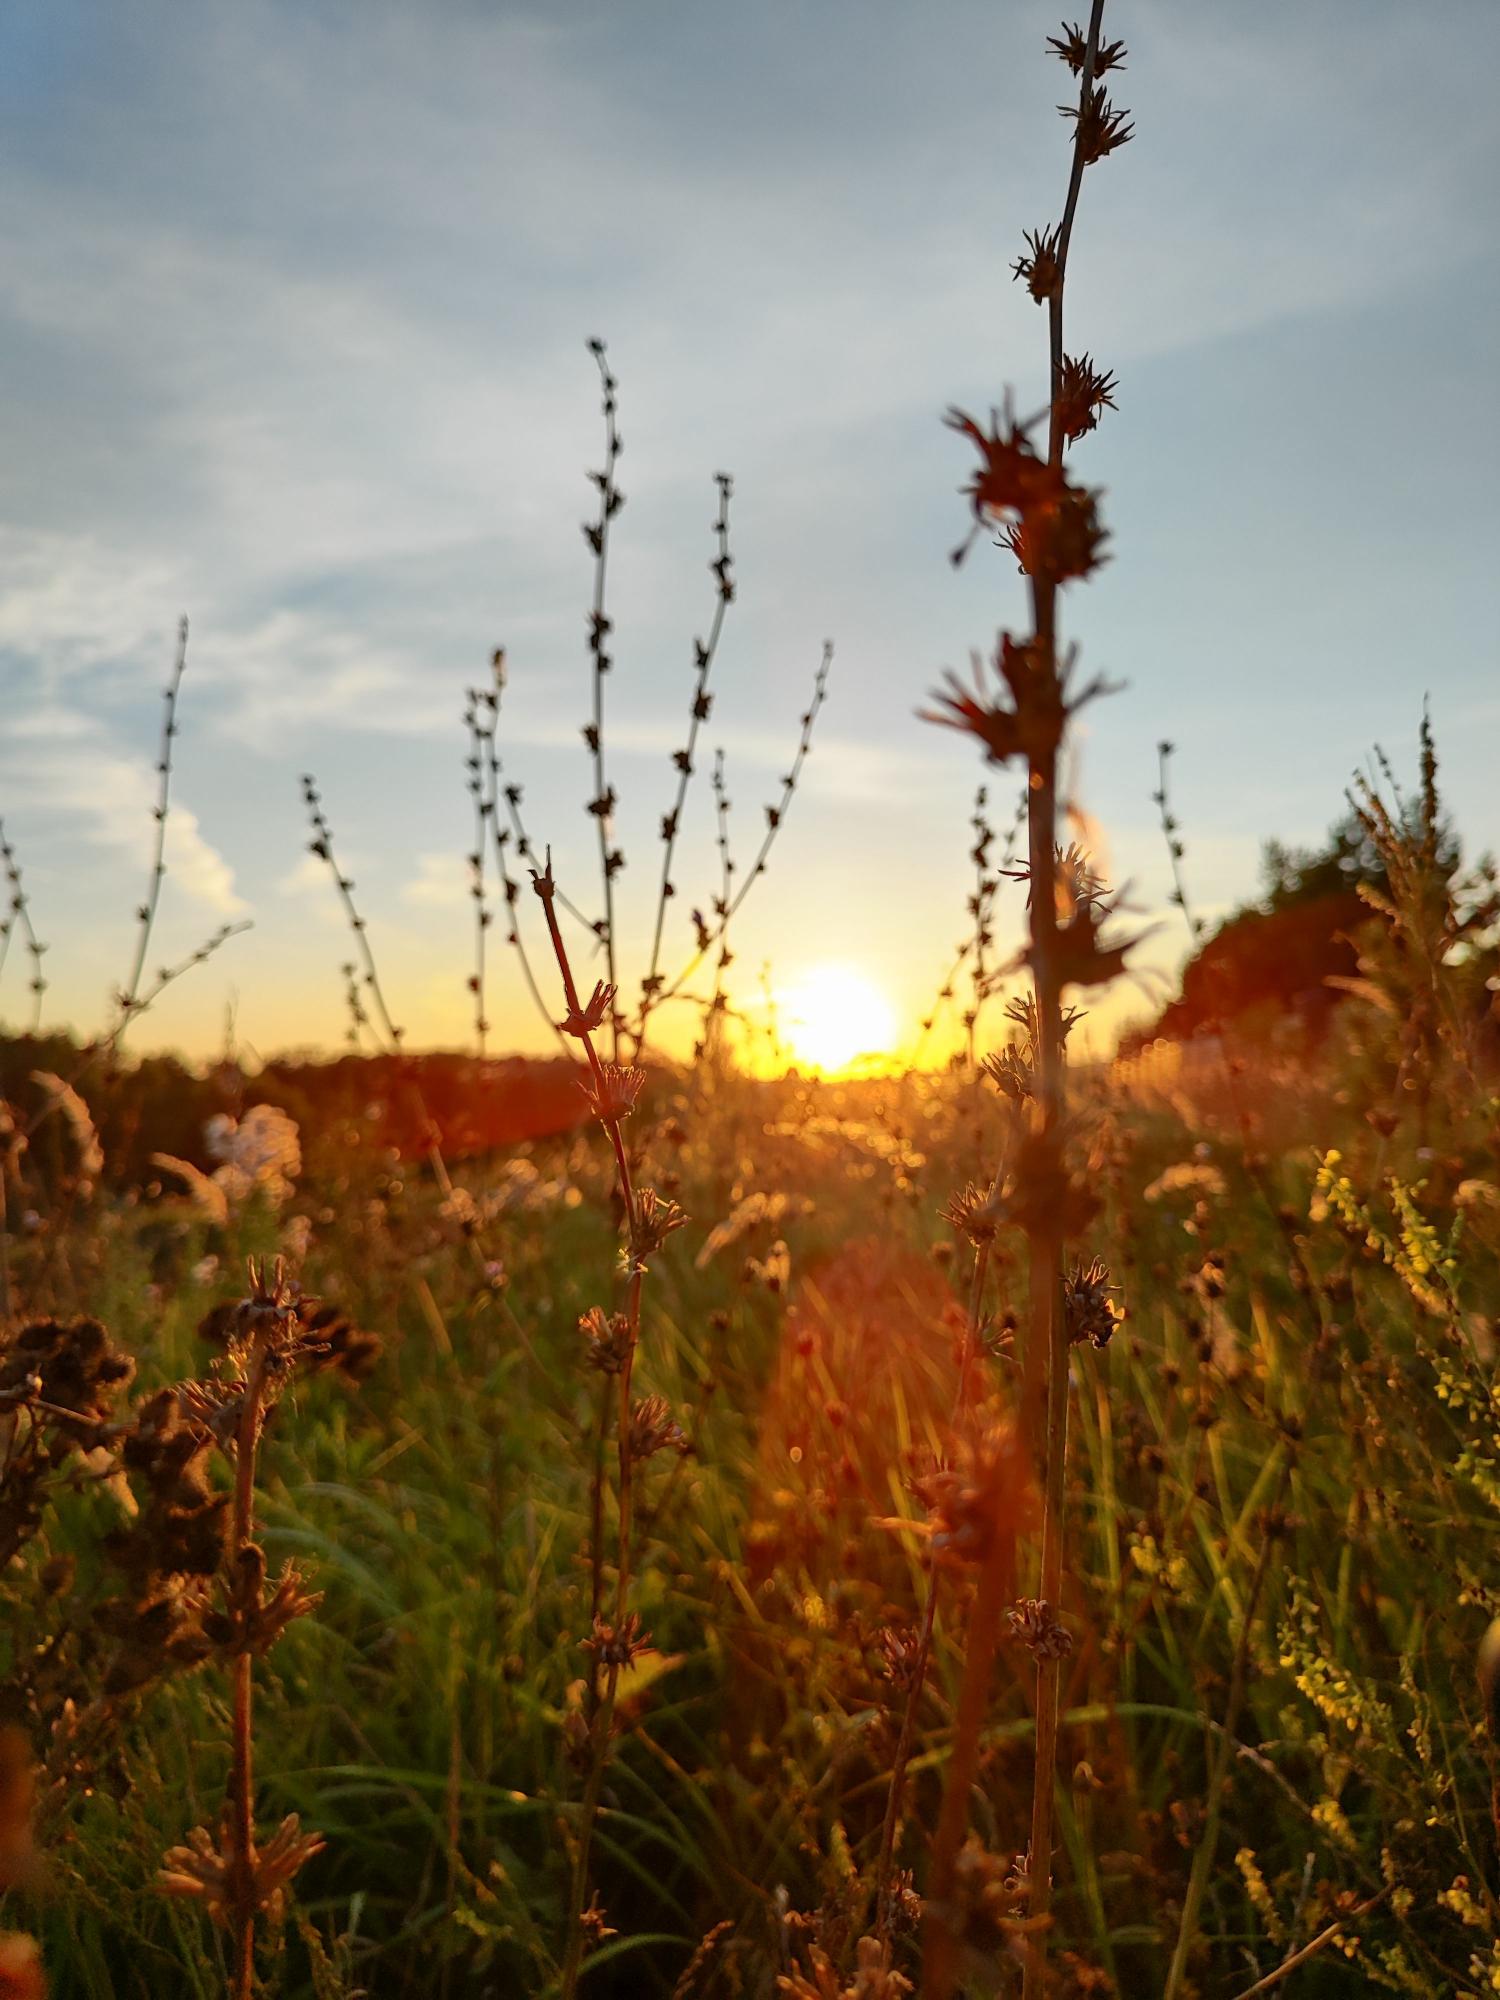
[835, 1019]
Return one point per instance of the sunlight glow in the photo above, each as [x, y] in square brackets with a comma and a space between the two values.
[836, 1020]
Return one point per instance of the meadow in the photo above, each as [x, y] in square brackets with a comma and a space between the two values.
[634, 1525]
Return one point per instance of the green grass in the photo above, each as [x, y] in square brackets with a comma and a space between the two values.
[416, 1719]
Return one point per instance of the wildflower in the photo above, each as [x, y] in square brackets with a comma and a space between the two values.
[249, 1623]
[1012, 1073]
[974, 1212]
[1033, 1621]
[582, 1021]
[613, 1091]
[874, 1978]
[1082, 392]
[610, 1339]
[1187, 1177]
[900, 1654]
[1072, 46]
[1040, 268]
[774, 1270]
[1098, 127]
[591, 1923]
[458, 1207]
[1091, 1312]
[1061, 541]
[259, 1153]
[754, 1209]
[655, 1219]
[1012, 479]
[653, 1428]
[210, 1871]
[618, 1645]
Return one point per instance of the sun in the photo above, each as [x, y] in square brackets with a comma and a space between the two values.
[835, 1020]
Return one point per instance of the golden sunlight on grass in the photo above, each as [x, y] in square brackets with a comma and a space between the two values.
[834, 1019]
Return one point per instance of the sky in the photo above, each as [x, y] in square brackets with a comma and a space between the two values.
[293, 324]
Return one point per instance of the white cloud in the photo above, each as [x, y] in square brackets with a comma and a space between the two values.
[63, 769]
[440, 883]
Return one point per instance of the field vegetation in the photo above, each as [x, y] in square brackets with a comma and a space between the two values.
[631, 1526]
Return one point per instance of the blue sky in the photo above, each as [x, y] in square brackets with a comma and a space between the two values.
[292, 339]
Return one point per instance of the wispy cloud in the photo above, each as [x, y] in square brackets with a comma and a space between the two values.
[62, 772]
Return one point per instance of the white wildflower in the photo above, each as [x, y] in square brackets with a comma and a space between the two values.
[260, 1152]
[1186, 1177]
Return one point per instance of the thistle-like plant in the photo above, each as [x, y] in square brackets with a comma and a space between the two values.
[1023, 491]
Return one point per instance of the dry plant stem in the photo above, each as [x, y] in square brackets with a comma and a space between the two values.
[509, 886]
[1311, 1949]
[983, 894]
[601, 805]
[717, 1005]
[596, 1535]
[775, 819]
[146, 914]
[972, 1325]
[482, 809]
[102, 1050]
[705, 652]
[1046, 1363]
[602, 1721]
[1218, 1772]
[996, 1580]
[322, 847]
[18, 911]
[242, 1744]
[1174, 845]
[890, 1832]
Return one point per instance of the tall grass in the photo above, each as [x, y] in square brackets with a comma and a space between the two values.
[1020, 1528]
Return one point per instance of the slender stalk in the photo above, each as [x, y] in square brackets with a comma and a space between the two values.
[146, 914]
[602, 804]
[1311, 1949]
[996, 1581]
[1218, 1770]
[483, 806]
[602, 1721]
[972, 1324]
[1045, 1387]
[241, 1801]
[18, 911]
[984, 887]
[885, 1880]
[704, 652]
[101, 1050]
[510, 888]
[717, 1004]
[775, 819]
[596, 1535]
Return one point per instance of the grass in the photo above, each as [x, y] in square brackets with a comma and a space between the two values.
[417, 1720]
[1025, 1531]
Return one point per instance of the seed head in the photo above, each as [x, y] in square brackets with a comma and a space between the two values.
[610, 1340]
[1033, 1621]
[1040, 269]
[612, 1094]
[1089, 1306]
